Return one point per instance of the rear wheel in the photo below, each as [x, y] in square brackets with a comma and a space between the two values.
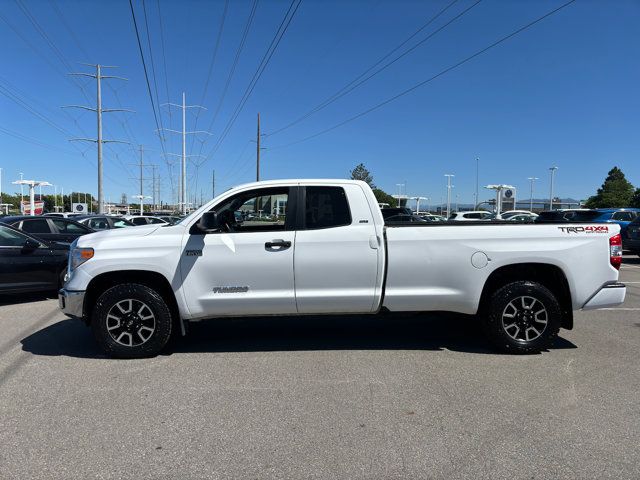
[523, 317]
[131, 321]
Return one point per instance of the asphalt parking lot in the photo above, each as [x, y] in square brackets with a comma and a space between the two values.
[329, 397]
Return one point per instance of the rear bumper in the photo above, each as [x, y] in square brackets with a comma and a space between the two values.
[71, 303]
[608, 296]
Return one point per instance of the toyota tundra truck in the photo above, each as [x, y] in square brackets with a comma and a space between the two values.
[302, 247]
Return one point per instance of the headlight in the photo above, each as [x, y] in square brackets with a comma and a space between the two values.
[78, 256]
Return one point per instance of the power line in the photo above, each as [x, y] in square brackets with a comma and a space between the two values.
[363, 77]
[211, 64]
[153, 65]
[166, 76]
[428, 80]
[146, 75]
[243, 40]
[275, 41]
[69, 29]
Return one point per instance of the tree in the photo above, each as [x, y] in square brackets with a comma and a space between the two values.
[635, 201]
[384, 197]
[616, 192]
[361, 173]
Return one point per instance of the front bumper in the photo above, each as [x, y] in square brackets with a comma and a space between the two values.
[71, 302]
[608, 296]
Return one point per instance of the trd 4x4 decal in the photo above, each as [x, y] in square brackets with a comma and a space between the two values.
[588, 229]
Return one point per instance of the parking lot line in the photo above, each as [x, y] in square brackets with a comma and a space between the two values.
[621, 308]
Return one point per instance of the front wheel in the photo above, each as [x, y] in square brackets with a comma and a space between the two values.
[131, 321]
[523, 317]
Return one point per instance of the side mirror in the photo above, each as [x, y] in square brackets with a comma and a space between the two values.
[30, 245]
[209, 222]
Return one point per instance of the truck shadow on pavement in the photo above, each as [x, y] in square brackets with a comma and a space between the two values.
[433, 331]
[17, 298]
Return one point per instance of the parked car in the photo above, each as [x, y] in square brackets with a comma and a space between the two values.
[28, 263]
[430, 217]
[145, 220]
[63, 214]
[390, 212]
[510, 213]
[335, 255]
[567, 215]
[170, 219]
[471, 216]
[405, 219]
[522, 218]
[103, 222]
[54, 229]
[621, 216]
[631, 241]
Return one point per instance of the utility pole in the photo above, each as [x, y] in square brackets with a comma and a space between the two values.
[141, 164]
[553, 172]
[449, 186]
[99, 111]
[183, 169]
[21, 189]
[531, 179]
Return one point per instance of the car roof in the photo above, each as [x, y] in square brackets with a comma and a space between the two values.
[613, 210]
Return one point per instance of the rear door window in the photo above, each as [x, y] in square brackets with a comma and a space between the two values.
[326, 207]
[37, 225]
[623, 216]
[68, 227]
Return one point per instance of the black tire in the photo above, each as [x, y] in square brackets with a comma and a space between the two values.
[511, 323]
[61, 276]
[128, 327]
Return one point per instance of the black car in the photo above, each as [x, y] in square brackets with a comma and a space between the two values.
[103, 222]
[404, 218]
[391, 212]
[28, 263]
[631, 240]
[564, 216]
[53, 229]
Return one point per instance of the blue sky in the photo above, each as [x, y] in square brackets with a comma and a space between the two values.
[564, 92]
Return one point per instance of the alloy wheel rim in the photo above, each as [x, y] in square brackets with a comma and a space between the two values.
[131, 322]
[525, 318]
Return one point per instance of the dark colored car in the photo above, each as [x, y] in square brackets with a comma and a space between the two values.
[621, 216]
[103, 222]
[390, 212]
[28, 263]
[631, 240]
[53, 229]
[564, 216]
[404, 218]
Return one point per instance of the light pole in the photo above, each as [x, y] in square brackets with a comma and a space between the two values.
[449, 186]
[553, 172]
[21, 189]
[531, 179]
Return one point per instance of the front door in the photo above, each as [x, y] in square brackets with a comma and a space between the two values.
[246, 268]
[21, 267]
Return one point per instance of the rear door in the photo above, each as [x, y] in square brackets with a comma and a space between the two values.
[337, 250]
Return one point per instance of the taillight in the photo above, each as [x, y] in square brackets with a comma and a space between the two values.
[615, 251]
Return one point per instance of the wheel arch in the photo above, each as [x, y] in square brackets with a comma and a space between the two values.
[551, 276]
[100, 283]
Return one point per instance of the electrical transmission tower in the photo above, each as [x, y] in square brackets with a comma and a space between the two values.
[99, 111]
[183, 170]
[141, 164]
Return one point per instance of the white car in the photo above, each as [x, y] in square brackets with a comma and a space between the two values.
[145, 220]
[510, 213]
[471, 216]
[328, 251]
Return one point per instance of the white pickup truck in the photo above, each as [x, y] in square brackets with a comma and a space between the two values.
[302, 247]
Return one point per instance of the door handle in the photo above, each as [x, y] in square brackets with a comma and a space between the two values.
[282, 244]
